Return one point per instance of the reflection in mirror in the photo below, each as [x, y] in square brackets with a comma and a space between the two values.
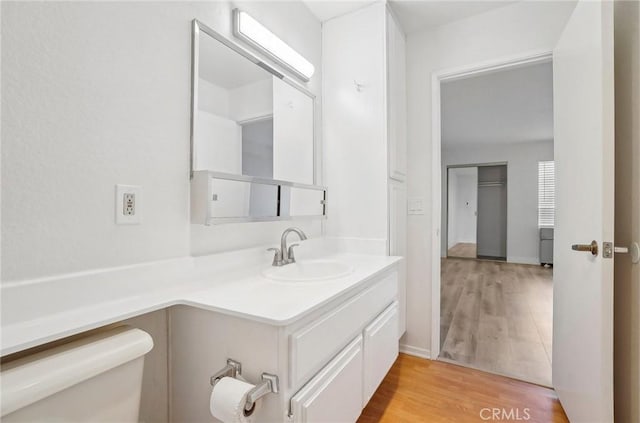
[222, 198]
[240, 199]
[300, 202]
[248, 121]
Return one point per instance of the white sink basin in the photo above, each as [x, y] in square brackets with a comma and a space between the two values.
[308, 271]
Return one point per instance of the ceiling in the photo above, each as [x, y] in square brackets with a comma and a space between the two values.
[224, 67]
[325, 10]
[508, 106]
[417, 15]
[414, 15]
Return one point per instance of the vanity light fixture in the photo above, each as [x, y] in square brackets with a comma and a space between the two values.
[254, 33]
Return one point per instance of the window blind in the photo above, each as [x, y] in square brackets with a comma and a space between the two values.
[546, 193]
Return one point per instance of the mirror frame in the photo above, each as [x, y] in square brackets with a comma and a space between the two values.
[197, 28]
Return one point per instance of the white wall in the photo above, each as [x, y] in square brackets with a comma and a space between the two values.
[98, 93]
[504, 32]
[251, 101]
[627, 275]
[462, 205]
[292, 134]
[219, 143]
[522, 190]
[212, 98]
[355, 154]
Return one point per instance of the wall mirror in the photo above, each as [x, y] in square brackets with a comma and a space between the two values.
[248, 118]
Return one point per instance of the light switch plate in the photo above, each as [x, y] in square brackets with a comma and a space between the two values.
[415, 206]
[128, 204]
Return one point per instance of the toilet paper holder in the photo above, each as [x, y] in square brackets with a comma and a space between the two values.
[270, 383]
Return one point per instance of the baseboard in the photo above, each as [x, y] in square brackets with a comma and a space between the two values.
[415, 351]
[490, 253]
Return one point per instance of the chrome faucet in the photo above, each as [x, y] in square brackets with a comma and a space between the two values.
[285, 255]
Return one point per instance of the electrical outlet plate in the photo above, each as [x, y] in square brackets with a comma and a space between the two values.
[128, 204]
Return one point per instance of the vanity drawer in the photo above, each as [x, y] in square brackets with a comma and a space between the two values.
[313, 345]
[380, 349]
[335, 393]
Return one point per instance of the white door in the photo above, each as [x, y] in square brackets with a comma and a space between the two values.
[584, 155]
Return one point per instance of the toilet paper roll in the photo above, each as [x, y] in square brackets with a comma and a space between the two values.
[228, 398]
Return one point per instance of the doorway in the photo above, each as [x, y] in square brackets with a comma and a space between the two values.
[477, 211]
[495, 297]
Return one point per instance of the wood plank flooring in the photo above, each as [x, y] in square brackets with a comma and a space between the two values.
[418, 390]
[497, 317]
[463, 249]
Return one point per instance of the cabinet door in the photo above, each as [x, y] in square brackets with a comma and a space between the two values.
[335, 393]
[396, 100]
[380, 349]
[398, 244]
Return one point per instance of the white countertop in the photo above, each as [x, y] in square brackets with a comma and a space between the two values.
[213, 283]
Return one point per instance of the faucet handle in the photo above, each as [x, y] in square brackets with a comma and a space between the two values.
[290, 256]
[277, 256]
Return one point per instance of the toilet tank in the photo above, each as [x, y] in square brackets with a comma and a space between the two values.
[97, 379]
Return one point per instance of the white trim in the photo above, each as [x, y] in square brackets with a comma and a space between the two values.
[436, 212]
[415, 351]
[490, 66]
[509, 62]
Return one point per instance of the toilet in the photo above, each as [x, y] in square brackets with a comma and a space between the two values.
[97, 378]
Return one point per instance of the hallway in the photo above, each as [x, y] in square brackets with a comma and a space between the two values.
[497, 317]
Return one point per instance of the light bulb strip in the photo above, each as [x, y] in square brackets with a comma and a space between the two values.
[254, 33]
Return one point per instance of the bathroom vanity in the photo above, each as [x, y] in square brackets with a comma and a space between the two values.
[336, 353]
[327, 340]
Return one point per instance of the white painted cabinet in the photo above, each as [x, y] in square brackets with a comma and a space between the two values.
[398, 244]
[364, 116]
[312, 345]
[365, 132]
[397, 154]
[335, 393]
[328, 363]
[380, 349]
[396, 99]
[344, 386]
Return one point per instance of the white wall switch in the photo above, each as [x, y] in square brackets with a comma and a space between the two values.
[128, 204]
[415, 206]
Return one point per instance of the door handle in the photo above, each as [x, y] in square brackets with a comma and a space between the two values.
[592, 248]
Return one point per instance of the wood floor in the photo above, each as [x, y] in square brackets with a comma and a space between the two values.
[497, 317]
[463, 249]
[418, 390]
